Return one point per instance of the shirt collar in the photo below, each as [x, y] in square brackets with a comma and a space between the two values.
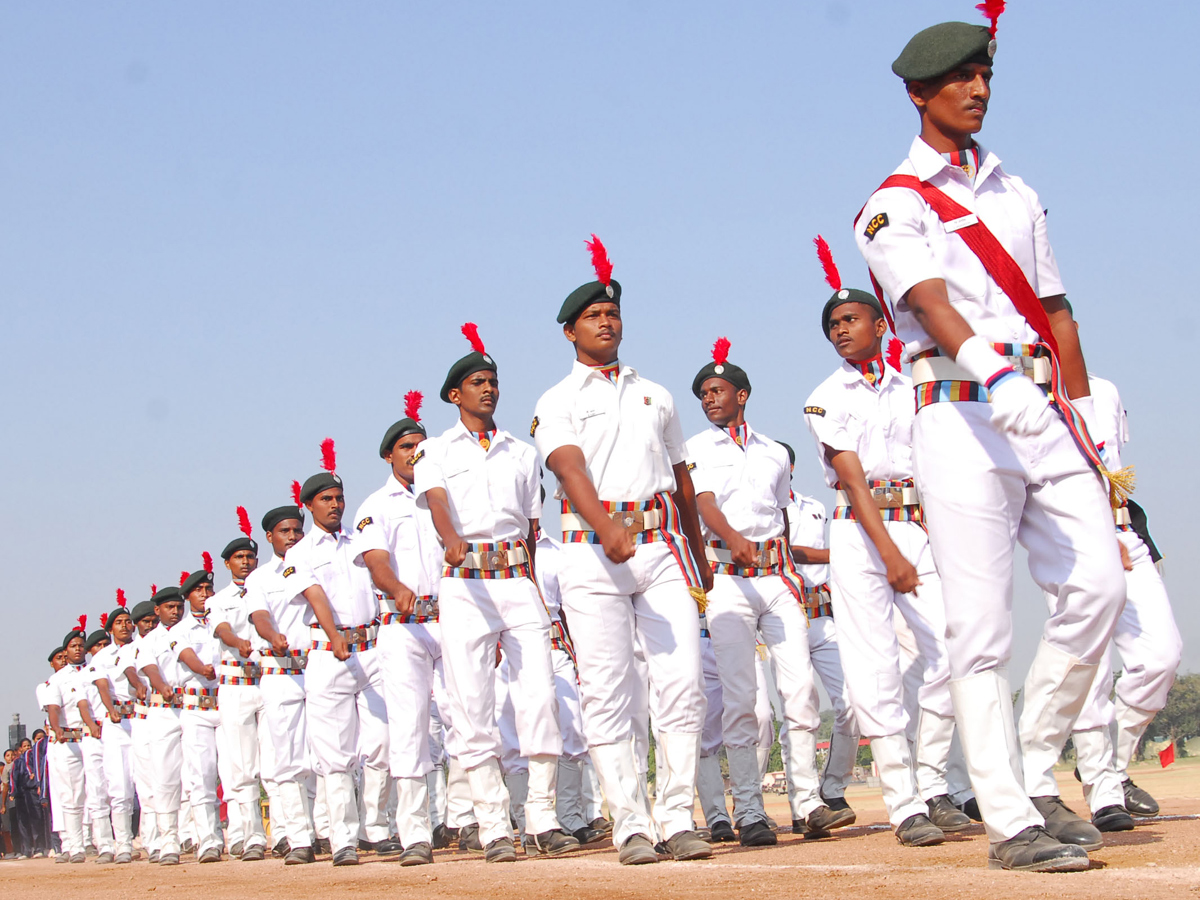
[395, 487]
[459, 432]
[320, 534]
[722, 434]
[581, 373]
[927, 162]
[852, 375]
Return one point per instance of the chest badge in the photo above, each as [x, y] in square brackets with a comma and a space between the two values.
[646, 400]
[870, 376]
[485, 443]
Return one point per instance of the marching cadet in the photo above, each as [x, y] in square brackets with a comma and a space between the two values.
[343, 688]
[61, 702]
[277, 613]
[116, 698]
[1150, 647]
[614, 442]
[156, 661]
[960, 247]
[243, 741]
[99, 805]
[195, 652]
[145, 620]
[743, 485]
[400, 550]
[47, 694]
[806, 533]
[482, 488]
[861, 421]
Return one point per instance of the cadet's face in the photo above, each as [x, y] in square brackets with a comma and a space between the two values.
[122, 628]
[198, 596]
[328, 507]
[99, 645]
[60, 660]
[170, 612]
[242, 564]
[596, 334]
[401, 457]
[721, 401]
[285, 535]
[855, 332]
[478, 394]
[956, 103]
[147, 624]
[75, 651]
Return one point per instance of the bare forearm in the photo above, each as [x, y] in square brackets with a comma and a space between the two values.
[262, 624]
[1070, 351]
[854, 482]
[224, 633]
[706, 505]
[106, 696]
[931, 305]
[439, 510]
[322, 611]
[568, 466]
[810, 556]
[385, 579]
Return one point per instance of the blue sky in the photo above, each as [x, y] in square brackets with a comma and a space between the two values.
[230, 230]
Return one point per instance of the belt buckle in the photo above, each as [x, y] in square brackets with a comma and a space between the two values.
[632, 520]
[355, 635]
[888, 497]
[206, 702]
[425, 608]
[496, 559]
[764, 560]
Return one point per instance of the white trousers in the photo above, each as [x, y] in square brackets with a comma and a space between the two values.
[140, 735]
[570, 713]
[199, 728]
[348, 725]
[117, 738]
[606, 604]
[843, 743]
[712, 737]
[244, 741]
[166, 773]
[983, 491]
[66, 770]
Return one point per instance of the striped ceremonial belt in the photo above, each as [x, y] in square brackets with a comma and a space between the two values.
[71, 736]
[559, 639]
[140, 710]
[125, 708]
[238, 673]
[704, 632]
[196, 698]
[938, 379]
[770, 557]
[158, 701]
[424, 610]
[897, 502]
[818, 602]
[290, 662]
[358, 638]
[495, 560]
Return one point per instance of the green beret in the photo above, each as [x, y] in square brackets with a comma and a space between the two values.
[72, 634]
[142, 610]
[848, 295]
[194, 581]
[94, 638]
[119, 611]
[941, 48]
[470, 364]
[322, 481]
[281, 514]
[790, 452]
[735, 375]
[166, 595]
[397, 431]
[584, 296]
[242, 543]
[54, 653]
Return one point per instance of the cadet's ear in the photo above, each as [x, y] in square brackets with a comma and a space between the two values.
[880, 327]
[569, 331]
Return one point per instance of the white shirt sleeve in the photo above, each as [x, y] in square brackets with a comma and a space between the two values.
[552, 426]
[368, 528]
[427, 475]
[673, 434]
[898, 253]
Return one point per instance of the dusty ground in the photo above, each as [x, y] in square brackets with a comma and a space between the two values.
[1161, 858]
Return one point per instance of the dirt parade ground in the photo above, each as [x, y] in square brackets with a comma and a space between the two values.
[1161, 858]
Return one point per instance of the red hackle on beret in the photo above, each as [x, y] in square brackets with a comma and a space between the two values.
[207, 557]
[296, 493]
[82, 624]
[183, 576]
[894, 349]
[244, 522]
[992, 10]
[825, 255]
[121, 601]
[600, 261]
[720, 351]
[471, 332]
[328, 455]
[412, 405]
[153, 589]
[104, 621]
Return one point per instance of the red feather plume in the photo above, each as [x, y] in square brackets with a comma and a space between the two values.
[183, 576]
[82, 624]
[825, 255]
[104, 621]
[296, 493]
[244, 522]
[894, 349]
[412, 405]
[153, 589]
[328, 455]
[207, 562]
[471, 332]
[721, 351]
[600, 261]
[992, 10]
[121, 601]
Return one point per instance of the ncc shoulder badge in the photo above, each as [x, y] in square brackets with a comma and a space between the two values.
[418, 456]
[814, 410]
[173, 643]
[691, 466]
[878, 221]
[533, 426]
[364, 523]
[290, 570]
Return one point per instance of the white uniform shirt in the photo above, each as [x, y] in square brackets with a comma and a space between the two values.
[847, 413]
[494, 494]
[191, 634]
[333, 561]
[268, 590]
[548, 560]
[390, 519]
[1112, 425]
[806, 524]
[751, 484]
[156, 650]
[46, 694]
[629, 431]
[228, 606]
[126, 657]
[914, 246]
[64, 690]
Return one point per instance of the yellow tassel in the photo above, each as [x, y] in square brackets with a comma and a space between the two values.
[700, 597]
[1121, 484]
